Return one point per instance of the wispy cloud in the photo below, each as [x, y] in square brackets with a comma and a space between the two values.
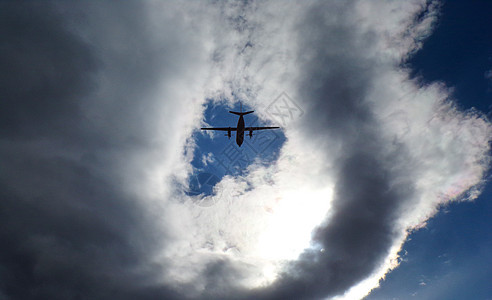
[488, 74]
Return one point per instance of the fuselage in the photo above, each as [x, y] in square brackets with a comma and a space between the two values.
[240, 131]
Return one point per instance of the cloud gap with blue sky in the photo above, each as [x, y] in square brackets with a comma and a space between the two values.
[216, 155]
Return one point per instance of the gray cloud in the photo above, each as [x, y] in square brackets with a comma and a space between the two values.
[68, 230]
[100, 102]
[370, 187]
[68, 233]
[46, 70]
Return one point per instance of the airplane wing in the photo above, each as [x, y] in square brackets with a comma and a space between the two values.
[258, 128]
[221, 128]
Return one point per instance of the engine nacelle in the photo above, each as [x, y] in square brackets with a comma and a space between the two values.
[229, 133]
[250, 133]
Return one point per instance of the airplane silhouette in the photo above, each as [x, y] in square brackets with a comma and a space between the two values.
[240, 127]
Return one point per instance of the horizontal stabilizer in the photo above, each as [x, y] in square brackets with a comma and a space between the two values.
[241, 113]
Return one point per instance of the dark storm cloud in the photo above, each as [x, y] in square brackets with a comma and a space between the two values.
[67, 229]
[66, 233]
[45, 71]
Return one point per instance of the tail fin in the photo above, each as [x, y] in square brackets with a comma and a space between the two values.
[241, 113]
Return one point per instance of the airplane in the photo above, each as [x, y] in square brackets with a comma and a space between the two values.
[240, 127]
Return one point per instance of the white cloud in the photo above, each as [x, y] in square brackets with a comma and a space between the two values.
[208, 158]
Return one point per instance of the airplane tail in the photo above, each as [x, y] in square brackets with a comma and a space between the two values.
[241, 113]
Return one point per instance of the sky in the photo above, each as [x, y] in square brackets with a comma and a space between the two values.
[376, 186]
[455, 262]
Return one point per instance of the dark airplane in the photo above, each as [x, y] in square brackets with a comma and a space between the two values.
[240, 127]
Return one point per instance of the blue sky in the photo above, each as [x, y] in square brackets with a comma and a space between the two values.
[451, 257]
[217, 155]
[459, 53]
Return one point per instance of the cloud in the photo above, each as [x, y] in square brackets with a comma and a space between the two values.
[76, 84]
[488, 74]
[40, 90]
[99, 113]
